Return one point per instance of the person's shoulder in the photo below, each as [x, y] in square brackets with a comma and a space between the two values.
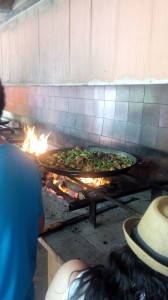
[71, 269]
[63, 278]
[73, 265]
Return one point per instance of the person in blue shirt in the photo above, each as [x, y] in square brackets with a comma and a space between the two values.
[21, 219]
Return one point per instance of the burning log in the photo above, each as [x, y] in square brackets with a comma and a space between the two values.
[73, 186]
[54, 187]
[61, 188]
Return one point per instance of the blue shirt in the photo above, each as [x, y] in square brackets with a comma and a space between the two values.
[20, 209]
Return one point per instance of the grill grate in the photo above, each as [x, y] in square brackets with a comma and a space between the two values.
[121, 185]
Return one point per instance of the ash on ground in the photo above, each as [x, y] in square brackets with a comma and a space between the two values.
[57, 209]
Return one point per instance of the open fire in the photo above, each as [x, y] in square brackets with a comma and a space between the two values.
[37, 145]
[95, 182]
[81, 192]
[62, 184]
[33, 143]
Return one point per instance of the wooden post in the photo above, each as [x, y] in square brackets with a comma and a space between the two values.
[54, 261]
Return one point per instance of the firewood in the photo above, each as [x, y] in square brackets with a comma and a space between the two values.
[73, 186]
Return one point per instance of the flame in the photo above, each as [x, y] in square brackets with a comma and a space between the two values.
[68, 191]
[33, 143]
[95, 182]
[59, 181]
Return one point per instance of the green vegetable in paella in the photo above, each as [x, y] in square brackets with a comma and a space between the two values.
[86, 160]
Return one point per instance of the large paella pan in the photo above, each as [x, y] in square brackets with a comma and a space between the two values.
[87, 162]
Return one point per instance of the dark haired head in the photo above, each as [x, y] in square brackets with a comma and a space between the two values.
[125, 277]
[2, 98]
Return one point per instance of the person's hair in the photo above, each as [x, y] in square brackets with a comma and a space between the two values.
[124, 277]
[2, 98]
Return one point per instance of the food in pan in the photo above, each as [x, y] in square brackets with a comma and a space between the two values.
[86, 160]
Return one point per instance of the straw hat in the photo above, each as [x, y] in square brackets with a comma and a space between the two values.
[148, 236]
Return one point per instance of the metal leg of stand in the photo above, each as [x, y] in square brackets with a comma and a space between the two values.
[92, 213]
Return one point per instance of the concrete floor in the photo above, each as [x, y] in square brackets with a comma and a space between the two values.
[103, 237]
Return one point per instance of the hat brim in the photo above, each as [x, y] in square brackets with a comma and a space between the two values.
[141, 254]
